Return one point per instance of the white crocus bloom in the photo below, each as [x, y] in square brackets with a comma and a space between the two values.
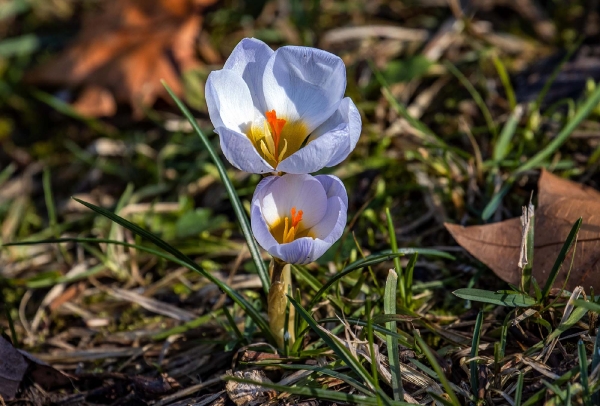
[282, 111]
[296, 218]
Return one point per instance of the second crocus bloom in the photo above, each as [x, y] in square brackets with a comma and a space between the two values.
[282, 111]
[296, 218]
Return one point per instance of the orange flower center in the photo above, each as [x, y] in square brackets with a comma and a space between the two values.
[276, 126]
[289, 232]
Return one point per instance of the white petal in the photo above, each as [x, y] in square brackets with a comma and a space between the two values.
[229, 101]
[304, 83]
[347, 118]
[240, 152]
[316, 154]
[248, 60]
[299, 251]
[331, 227]
[302, 192]
[260, 229]
[333, 187]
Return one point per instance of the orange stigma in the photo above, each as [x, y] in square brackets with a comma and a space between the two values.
[289, 233]
[296, 217]
[276, 126]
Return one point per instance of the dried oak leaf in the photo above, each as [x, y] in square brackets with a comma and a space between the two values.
[123, 52]
[560, 204]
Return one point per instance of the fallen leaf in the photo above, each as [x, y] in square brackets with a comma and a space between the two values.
[124, 51]
[18, 365]
[560, 203]
[12, 369]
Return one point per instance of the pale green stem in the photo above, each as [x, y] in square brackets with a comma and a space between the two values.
[281, 284]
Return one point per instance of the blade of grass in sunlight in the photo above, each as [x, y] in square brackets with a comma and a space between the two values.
[505, 79]
[389, 305]
[394, 246]
[502, 145]
[263, 272]
[562, 255]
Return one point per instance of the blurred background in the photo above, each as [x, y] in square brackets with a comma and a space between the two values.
[83, 113]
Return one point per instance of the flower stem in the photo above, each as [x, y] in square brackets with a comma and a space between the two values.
[281, 284]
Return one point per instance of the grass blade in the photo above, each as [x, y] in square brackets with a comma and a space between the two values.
[263, 272]
[474, 352]
[438, 370]
[571, 239]
[583, 373]
[476, 97]
[389, 306]
[519, 389]
[505, 79]
[502, 146]
[394, 246]
[330, 372]
[595, 363]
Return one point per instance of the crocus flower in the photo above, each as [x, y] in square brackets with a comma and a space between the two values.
[296, 218]
[282, 111]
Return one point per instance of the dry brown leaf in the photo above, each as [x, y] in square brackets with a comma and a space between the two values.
[124, 51]
[560, 204]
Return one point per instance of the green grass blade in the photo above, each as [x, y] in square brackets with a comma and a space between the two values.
[502, 146]
[581, 114]
[389, 306]
[595, 363]
[571, 239]
[519, 389]
[474, 353]
[476, 97]
[438, 370]
[394, 246]
[263, 272]
[505, 79]
[583, 373]
[495, 201]
[497, 298]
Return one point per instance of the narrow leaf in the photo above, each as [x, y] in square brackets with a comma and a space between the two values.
[497, 298]
[263, 272]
